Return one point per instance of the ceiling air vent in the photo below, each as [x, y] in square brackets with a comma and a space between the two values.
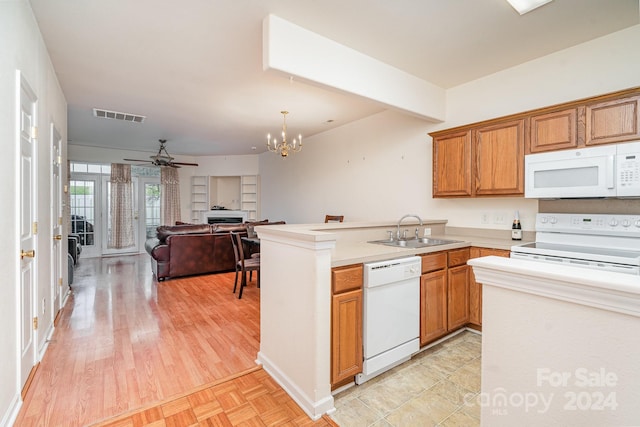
[127, 117]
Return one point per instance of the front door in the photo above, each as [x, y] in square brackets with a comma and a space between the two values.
[84, 191]
[150, 215]
[28, 228]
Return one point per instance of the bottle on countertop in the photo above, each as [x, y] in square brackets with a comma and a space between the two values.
[516, 228]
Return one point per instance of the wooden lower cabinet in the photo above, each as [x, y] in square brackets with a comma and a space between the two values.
[444, 294]
[346, 324]
[458, 297]
[475, 289]
[433, 306]
[346, 336]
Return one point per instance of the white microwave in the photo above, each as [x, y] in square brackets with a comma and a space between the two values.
[604, 171]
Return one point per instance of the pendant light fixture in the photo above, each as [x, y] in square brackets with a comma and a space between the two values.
[284, 147]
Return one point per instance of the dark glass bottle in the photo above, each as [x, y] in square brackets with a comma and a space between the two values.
[516, 228]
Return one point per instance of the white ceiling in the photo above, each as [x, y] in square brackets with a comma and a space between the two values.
[194, 68]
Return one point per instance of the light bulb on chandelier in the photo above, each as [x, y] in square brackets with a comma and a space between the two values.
[283, 147]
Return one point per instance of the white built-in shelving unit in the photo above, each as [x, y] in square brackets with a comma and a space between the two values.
[199, 197]
[249, 196]
[230, 192]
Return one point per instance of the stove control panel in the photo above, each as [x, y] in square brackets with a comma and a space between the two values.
[600, 224]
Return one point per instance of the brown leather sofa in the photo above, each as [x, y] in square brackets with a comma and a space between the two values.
[190, 249]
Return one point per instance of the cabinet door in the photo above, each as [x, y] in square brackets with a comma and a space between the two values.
[346, 336]
[499, 159]
[457, 297]
[452, 165]
[475, 288]
[553, 131]
[433, 306]
[613, 121]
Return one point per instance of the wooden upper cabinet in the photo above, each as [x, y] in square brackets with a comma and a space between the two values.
[487, 158]
[612, 121]
[554, 131]
[499, 159]
[452, 165]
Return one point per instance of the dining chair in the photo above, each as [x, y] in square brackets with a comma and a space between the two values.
[243, 265]
[333, 218]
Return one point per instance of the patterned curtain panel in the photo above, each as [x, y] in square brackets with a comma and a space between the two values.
[121, 207]
[169, 195]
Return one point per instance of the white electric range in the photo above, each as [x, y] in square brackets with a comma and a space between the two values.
[604, 242]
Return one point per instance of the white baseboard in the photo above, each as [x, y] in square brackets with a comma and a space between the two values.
[315, 409]
[9, 417]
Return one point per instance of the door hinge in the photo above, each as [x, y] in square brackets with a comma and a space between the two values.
[35, 323]
[34, 132]
[60, 281]
[35, 227]
[59, 220]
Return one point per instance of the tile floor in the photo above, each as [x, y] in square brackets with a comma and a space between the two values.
[437, 387]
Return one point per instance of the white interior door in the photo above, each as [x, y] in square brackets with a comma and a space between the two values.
[58, 255]
[28, 180]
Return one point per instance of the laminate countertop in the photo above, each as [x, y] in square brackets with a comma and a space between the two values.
[352, 239]
[360, 252]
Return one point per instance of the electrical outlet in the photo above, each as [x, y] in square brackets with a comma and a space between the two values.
[499, 218]
[484, 218]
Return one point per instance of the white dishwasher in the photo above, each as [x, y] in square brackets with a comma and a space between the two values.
[391, 315]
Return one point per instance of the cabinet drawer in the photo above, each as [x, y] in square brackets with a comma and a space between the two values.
[346, 278]
[458, 257]
[496, 252]
[433, 262]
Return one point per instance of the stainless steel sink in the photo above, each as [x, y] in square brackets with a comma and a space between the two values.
[421, 242]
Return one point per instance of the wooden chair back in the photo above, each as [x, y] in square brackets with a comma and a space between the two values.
[333, 218]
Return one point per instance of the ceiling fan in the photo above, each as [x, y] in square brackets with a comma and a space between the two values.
[162, 158]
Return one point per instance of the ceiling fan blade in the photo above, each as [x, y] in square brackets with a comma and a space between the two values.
[184, 164]
[137, 160]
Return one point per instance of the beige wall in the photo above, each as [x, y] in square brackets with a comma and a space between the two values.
[24, 50]
[380, 167]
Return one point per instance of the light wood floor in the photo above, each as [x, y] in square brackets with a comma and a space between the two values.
[125, 341]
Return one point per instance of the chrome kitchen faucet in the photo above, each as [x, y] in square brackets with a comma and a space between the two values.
[407, 216]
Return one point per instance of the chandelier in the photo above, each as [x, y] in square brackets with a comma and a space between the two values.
[283, 147]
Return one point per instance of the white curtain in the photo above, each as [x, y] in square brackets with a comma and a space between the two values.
[121, 207]
[169, 195]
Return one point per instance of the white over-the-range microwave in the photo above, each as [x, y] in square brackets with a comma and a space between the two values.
[603, 171]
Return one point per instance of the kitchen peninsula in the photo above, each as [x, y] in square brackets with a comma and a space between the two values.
[559, 344]
[295, 324]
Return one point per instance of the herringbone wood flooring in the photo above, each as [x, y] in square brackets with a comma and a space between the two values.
[124, 341]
